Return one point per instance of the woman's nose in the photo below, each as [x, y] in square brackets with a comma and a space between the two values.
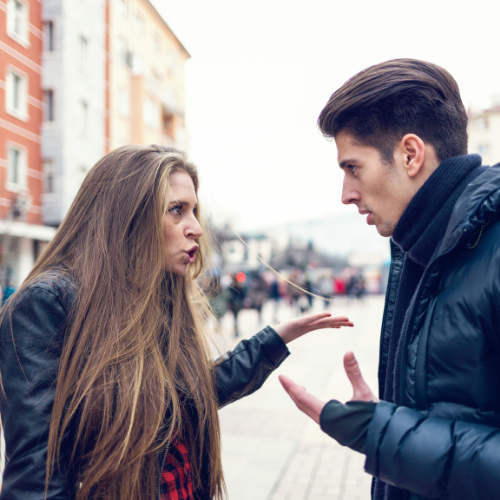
[194, 229]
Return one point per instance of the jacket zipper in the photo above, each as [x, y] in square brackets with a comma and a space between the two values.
[419, 398]
[394, 251]
[161, 467]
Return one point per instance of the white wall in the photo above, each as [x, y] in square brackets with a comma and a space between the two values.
[73, 151]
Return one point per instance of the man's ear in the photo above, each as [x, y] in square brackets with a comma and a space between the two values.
[411, 151]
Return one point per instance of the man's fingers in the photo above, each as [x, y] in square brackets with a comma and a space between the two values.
[305, 402]
[361, 390]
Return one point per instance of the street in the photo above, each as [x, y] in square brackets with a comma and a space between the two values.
[271, 451]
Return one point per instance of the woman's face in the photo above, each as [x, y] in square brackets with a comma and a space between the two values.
[180, 225]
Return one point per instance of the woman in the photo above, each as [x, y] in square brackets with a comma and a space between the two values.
[109, 391]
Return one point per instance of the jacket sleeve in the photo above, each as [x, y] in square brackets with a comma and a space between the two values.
[433, 457]
[30, 349]
[242, 371]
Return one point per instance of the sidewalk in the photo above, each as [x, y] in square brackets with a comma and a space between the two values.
[271, 451]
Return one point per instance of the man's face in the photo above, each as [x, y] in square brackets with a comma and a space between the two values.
[378, 190]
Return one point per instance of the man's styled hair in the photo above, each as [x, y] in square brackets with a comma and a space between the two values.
[382, 103]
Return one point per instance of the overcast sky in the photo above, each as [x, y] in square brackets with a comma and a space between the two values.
[261, 71]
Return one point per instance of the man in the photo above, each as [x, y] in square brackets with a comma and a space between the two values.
[401, 134]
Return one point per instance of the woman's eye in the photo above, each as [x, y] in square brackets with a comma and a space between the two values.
[177, 210]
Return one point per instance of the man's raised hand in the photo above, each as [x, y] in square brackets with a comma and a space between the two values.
[312, 406]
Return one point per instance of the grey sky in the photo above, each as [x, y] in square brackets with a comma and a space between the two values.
[261, 72]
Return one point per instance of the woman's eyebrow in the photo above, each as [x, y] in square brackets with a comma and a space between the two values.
[180, 202]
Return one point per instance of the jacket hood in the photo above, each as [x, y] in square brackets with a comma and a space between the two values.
[478, 204]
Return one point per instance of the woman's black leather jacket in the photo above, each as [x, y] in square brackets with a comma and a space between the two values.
[31, 342]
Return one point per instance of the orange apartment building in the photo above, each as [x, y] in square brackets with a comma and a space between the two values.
[146, 77]
[22, 233]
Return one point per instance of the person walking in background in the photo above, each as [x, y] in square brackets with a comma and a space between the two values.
[237, 293]
[274, 295]
[109, 390]
[10, 289]
[295, 290]
[258, 293]
[401, 134]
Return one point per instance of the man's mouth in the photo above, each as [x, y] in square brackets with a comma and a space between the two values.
[369, 216]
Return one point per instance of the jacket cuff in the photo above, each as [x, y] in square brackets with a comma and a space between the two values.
[273, 346]
[376, 431]
[347, 423]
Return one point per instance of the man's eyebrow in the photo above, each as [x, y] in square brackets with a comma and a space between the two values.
[347, 161]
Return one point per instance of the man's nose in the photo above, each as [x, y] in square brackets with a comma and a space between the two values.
[349, 194]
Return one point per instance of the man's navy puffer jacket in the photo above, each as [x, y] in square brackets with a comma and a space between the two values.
[445, 442]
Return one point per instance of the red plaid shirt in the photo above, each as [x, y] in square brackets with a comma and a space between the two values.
[176, 482]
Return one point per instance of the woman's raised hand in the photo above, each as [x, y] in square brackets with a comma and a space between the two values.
[294, 328]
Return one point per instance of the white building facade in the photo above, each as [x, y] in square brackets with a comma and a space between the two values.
[74, 85]
[484, 133]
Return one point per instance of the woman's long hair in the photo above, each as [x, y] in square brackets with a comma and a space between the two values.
[135, 366]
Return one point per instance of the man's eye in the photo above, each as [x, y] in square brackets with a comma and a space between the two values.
[352, 168]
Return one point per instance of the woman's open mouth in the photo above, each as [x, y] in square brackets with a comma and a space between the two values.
[191, 254]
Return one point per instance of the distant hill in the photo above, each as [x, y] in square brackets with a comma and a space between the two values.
[340, 235]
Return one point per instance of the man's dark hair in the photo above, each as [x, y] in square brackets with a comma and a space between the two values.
[382, 103]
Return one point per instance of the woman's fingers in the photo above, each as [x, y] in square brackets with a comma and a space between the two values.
[330, 323]
[360, 389]
[305, 402]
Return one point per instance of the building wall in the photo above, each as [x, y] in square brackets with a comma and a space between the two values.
[22, 235]
[75, 71]
[147, 88]
[23, 132]
[484, 135]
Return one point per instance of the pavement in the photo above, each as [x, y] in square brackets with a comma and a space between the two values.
[271, 451]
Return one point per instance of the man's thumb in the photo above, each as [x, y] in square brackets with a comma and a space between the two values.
[352, 369]
[360, 389]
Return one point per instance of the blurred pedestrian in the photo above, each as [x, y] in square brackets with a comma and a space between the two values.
[258, 293]
[9, 290]
[237, 293]
[295, 290]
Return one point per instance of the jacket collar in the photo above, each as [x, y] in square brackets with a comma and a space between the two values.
[478, 204]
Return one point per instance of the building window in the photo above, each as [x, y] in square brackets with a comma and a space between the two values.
[16, 168]
[483, 149]
[150, 114]
[481, 124]
[139, 24]
[172, 63]
[156, 44]
[168, 123]
[48, 36]
[84, 117]
[122, 7]
[124, 102]
[16, 101]
[48, 102]
[83, 52]
[50, 177]
[122, 51]
[18, 21]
